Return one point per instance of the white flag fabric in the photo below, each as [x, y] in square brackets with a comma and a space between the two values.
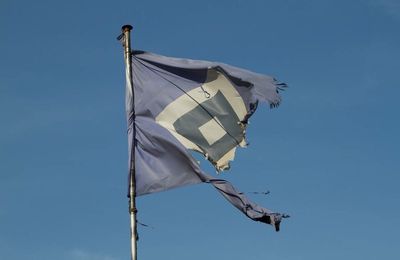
[181, 105]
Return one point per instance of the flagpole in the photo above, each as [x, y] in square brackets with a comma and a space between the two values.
[126, 31]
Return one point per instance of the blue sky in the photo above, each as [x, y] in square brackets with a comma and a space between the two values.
[329, 154]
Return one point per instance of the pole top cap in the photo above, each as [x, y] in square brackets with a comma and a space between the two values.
[126, 27]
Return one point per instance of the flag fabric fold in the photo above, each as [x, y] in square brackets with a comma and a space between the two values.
[181, 105]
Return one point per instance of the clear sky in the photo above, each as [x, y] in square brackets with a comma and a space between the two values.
[329, 154]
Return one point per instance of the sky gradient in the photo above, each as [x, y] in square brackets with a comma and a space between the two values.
[329, 154]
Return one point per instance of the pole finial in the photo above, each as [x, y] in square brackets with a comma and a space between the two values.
[126, 27]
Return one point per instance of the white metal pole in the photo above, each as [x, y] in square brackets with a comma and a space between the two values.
[126, 29]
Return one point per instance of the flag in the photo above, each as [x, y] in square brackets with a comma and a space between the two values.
[179, 105]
